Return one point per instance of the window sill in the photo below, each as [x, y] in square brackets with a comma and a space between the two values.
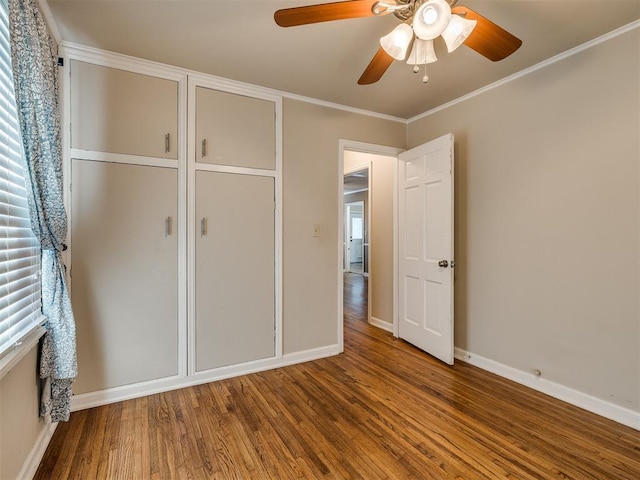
[12, 357]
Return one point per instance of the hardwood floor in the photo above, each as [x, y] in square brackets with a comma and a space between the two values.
[381, 410]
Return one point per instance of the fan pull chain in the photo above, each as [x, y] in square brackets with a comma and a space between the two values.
[425, 79]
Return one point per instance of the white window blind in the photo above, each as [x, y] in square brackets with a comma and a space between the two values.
[20, 302]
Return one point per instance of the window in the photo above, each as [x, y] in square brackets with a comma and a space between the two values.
[20, 311]
[356, 228]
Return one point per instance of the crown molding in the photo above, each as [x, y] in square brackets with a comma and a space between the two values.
[562, 56]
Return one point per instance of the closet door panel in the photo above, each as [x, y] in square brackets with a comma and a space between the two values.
[117, 111]
[236, 130]
[124, 273]
[234, 268]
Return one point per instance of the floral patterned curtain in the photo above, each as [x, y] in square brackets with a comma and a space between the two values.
[34, 56]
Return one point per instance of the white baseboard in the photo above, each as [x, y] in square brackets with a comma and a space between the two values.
[125, 392]
[376, 322]
[151, 387]
[309, 355]
[593, 404]
[32, 462]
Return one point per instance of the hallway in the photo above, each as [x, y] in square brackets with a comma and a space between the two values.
[355, 297]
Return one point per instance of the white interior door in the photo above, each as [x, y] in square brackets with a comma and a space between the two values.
[425, 235]
[347, 238]
[357, 231]
[353, 237]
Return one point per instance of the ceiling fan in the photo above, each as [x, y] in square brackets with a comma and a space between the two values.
[422, 22]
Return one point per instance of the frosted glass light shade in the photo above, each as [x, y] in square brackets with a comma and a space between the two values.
[431, 18]
[457, 31]
[396, 43]
[422, 53]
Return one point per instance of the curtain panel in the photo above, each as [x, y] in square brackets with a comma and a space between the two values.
[34, 56]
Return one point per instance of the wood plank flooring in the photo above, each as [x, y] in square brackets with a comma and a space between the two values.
[381, 410]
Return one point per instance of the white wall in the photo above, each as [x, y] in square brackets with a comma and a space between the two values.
[548, 220]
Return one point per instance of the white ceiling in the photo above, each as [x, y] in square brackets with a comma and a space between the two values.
[239, 40]
[356, 182]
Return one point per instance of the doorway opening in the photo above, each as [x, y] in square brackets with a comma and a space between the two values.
[367, 177]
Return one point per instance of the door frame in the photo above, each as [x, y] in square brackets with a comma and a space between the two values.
[375, 149]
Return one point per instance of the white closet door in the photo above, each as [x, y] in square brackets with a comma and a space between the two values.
[124, 273]
[234, 269]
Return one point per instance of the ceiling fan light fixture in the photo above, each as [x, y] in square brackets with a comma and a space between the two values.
[396, 43]
[457, 31]
[431, 19]
[422, 52]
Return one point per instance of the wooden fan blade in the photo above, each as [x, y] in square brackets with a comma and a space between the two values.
[290, 17]
[376, 68]
[487, 38]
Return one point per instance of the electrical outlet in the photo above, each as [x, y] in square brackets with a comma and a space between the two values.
[316, 230]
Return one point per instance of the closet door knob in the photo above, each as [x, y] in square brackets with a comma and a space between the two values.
[443, 263]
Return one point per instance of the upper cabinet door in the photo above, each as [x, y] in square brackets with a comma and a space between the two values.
[235, 130]
[123, 112]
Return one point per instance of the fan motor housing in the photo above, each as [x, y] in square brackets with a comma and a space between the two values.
[405, 14]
